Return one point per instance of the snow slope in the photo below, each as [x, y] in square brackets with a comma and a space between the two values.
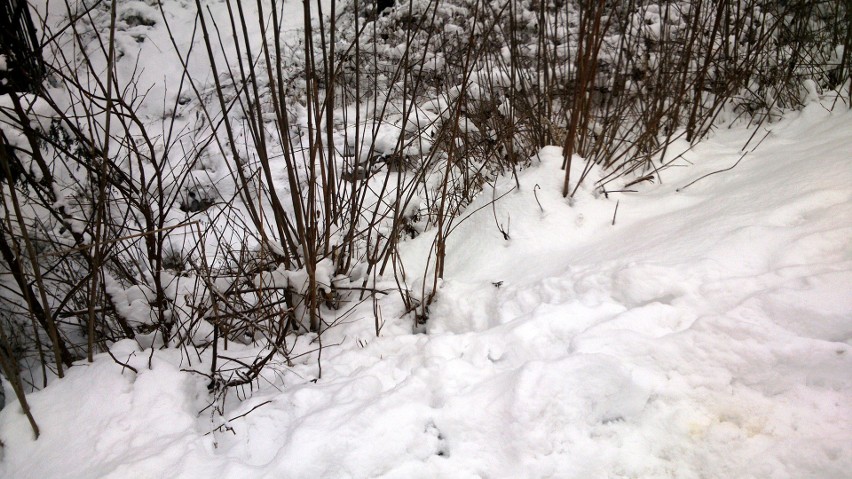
[707, 334]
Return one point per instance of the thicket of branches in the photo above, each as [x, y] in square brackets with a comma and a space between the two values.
[270, 197]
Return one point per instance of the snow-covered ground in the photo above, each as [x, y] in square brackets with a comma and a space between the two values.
[706, 334]
[700, 331]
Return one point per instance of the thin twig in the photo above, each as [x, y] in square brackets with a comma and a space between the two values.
[712, 173]
[136, 235]
[615, 212]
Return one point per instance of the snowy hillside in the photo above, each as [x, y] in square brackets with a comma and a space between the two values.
[447, 241]
[704, 335]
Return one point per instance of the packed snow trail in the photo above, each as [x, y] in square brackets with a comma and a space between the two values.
[704, 335]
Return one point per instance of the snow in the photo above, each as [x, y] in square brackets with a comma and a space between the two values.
[700, 331]
[704, 335]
